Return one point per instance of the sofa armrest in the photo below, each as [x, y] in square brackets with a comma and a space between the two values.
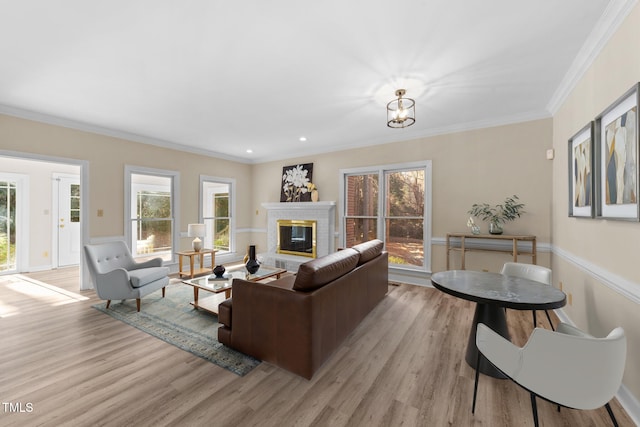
[225, 312]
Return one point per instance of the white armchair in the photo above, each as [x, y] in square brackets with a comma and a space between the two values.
[532, 272]
[116, 276]
[567, 367]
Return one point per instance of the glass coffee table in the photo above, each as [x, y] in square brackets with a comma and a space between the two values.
[218, 285]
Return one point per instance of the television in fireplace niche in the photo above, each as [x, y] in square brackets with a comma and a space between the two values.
[297, 237]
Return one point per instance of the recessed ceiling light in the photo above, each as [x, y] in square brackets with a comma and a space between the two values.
[303, 138]
[249, 150]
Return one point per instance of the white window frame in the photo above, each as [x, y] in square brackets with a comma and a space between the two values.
[380, 170]
[231, 182]
[129, 199]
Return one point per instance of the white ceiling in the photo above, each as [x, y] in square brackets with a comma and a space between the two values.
[221, 77]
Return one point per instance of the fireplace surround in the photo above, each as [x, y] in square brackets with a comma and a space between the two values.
[323, 213]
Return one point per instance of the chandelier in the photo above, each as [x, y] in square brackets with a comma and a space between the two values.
[401, 112]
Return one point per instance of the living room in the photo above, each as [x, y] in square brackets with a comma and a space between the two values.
[592, 259]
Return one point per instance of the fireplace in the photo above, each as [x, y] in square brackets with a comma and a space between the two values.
[296, 237]
[322, 213]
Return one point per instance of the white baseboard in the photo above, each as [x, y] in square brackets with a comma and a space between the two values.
[37, 268]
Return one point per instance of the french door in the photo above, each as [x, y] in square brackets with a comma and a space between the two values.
[8, 224]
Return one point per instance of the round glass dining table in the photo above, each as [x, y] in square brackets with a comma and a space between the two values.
[492, 293]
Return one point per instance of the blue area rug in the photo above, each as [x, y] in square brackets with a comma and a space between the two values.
[175, 321]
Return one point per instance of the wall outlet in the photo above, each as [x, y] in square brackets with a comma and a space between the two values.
[45, 254]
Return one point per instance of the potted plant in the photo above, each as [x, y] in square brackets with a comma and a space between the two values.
[499, 214]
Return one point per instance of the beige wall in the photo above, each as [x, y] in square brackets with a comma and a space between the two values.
[107, 158]
[593, 256]
[483, 165]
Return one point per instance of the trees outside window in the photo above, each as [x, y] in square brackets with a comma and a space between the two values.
[151, 215]
[391, 203]
[217, 213]
[7, 226]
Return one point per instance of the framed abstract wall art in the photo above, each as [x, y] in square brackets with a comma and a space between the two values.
[617, 158]
[581, 176]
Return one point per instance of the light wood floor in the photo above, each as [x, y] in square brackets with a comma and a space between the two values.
[402, 366]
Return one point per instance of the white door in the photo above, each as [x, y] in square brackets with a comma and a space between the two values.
[68, 219]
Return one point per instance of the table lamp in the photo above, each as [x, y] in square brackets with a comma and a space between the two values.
[197, 231]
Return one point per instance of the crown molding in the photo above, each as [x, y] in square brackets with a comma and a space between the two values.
[613, 16]
[129, 136]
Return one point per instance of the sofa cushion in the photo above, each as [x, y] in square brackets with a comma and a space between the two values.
[368, 250]
[144, 276]
[320, 271]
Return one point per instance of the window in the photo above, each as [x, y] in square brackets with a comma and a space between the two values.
[390, 203]
[217, 213]
[7, 226]
[151, 207]
[74, 203]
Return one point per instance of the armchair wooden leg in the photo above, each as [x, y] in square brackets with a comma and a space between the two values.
[138, 303]
[535, 319]
[108, 303]
[163, 297]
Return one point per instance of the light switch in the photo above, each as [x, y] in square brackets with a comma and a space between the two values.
[550, 154]
[100, 212]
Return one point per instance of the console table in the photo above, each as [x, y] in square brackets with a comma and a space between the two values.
[202, 269]
[514, 250]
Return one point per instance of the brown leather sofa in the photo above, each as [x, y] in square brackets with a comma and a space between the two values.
[298, 321]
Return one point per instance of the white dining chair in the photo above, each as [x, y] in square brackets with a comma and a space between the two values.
[531, 272]
[568, 367]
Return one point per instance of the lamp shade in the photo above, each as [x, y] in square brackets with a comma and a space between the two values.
[196, 230]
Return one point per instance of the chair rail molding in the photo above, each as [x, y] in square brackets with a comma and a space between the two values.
[619, 284]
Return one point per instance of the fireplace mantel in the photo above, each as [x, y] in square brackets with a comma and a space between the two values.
[307, 206]
[324, 215]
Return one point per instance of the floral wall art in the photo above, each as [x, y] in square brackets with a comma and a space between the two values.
[295, 184]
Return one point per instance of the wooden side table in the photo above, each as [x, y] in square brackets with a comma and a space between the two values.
[202, 269]
[513, 250]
